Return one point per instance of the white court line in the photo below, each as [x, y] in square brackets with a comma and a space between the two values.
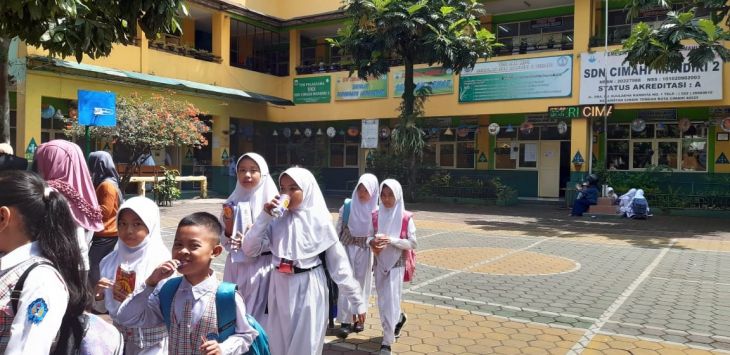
[693, 281]
[581, 345]
[514, 308]
[483, 262]
[670, 331]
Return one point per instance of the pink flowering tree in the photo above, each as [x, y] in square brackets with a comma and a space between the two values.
[148, 123]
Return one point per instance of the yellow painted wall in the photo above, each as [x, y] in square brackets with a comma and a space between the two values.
[722, 147]
[287, 9]
[482, 144]
[188, 35]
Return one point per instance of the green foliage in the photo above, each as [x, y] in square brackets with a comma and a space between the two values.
[661, 48]
[504, 193]
[166, 189]
[386, 165]
[445, 32]
[148, 123]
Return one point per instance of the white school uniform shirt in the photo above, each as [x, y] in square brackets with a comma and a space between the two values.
[142, 310]
[43, 283]
[84, 236]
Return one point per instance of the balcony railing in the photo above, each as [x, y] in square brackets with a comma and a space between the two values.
[186, 51]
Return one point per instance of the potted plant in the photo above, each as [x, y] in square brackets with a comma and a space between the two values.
[506, 195]
[523, 47]
[166, 189]
[565, 44]
[551, 43]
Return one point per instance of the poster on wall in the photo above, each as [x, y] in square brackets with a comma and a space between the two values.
[641, 84]
[439, 80]
[369, 134]
[354, 88]
[312, 90]
[517, 79]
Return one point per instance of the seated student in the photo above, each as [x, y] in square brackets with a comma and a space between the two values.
[638, 207]
[624, 200]
[193, 317]
[610, 193]
[587, 196]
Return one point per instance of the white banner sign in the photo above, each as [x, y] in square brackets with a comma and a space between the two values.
[642, 84]
[369, 134]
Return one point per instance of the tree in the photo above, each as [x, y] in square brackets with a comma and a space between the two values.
[146, 124]
[446, 32]
[77, 27]
[661, 48]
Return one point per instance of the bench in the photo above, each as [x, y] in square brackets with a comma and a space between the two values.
[142, 181]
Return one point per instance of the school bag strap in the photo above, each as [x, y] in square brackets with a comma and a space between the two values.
[404, 223]
[18, 289]
[260, 345]
[225, 309]
[346, 212]
[167, 293]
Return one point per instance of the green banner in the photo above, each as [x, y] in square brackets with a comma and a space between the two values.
[441, 81]
[354, 88]
[517, 79]
[312, 90]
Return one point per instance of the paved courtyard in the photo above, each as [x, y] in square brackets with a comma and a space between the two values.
[529, 280]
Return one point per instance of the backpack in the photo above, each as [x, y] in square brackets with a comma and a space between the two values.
[346, 212]
[225, 303]
[639, 207]
[71, 337]
[409, 255]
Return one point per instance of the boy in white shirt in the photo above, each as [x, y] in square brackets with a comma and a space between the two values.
[193, 321]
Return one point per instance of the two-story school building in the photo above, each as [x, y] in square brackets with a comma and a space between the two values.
[533, 115]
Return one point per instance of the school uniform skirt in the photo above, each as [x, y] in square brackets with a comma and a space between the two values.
[252, 277]
[361, 261]
[297, 312]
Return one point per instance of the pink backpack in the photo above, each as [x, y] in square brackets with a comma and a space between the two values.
[408, 255]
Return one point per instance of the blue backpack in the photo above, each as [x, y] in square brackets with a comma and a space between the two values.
[225, 303]
[640, 208]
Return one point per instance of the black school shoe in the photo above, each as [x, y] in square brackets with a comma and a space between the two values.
[344, 331]
[358, 327]
[400, 324]
[385, 350]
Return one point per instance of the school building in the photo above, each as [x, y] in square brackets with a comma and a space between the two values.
[533, 115]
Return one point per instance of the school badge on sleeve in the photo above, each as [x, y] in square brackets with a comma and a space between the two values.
[37, 310]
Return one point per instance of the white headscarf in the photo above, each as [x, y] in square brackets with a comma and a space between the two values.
[361, 214]
[626, 198]
[264, 192]
[390, 223]
[306, 231]
[144, 258]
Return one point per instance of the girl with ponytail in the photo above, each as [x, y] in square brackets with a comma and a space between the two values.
[36, 229]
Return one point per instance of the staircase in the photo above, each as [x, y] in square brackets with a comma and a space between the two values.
[604, 207]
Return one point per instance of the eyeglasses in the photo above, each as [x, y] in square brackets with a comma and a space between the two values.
[252, 171]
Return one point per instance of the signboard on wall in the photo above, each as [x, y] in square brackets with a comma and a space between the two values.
[642, 84]
[439, 80]
[369, 138]
[354, 88]
[517, 79]
[312, 90]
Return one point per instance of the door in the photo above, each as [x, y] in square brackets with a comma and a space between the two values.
[548, 169]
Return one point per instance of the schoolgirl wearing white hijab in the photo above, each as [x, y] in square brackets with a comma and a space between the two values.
[389, 266]
[140, 250]
[625, 201]
[639, 195]
[254, 185]
[353, 236]
[298, 291]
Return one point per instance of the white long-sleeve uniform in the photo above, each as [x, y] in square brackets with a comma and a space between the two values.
[361, 261]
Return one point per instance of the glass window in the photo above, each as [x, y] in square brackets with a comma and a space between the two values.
[465, 154]
[528, 155]
[618, 131]
[446, 154]
[694, 154]
[429, 153]
[259, 49]
[618, 155]
[648, 132]
[337, 155]
[667, 130]
[532, 134]
[551, 133]
[351, 151]
[642, 155]
[668, 154]
[502, 155]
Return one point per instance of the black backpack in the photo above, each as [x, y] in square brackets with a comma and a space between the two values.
[640, 208]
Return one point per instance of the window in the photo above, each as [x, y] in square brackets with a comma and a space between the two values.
[537, 34]
[344, 151]
[619, 26]
[455, 150]
[657, 144]
[259, 49]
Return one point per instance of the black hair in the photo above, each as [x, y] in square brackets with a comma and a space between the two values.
[48, 221]
[203, 219]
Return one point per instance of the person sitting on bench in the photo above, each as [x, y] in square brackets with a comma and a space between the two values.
[587, 196]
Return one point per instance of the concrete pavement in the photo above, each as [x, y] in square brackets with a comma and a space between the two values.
[529, 279]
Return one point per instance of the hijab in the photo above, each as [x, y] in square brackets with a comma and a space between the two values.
[306, 231]
[143, 258]
[264, 192]
[625, 198]
[390, 223]
[61, 163]
[361, 213]
[102, 168]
